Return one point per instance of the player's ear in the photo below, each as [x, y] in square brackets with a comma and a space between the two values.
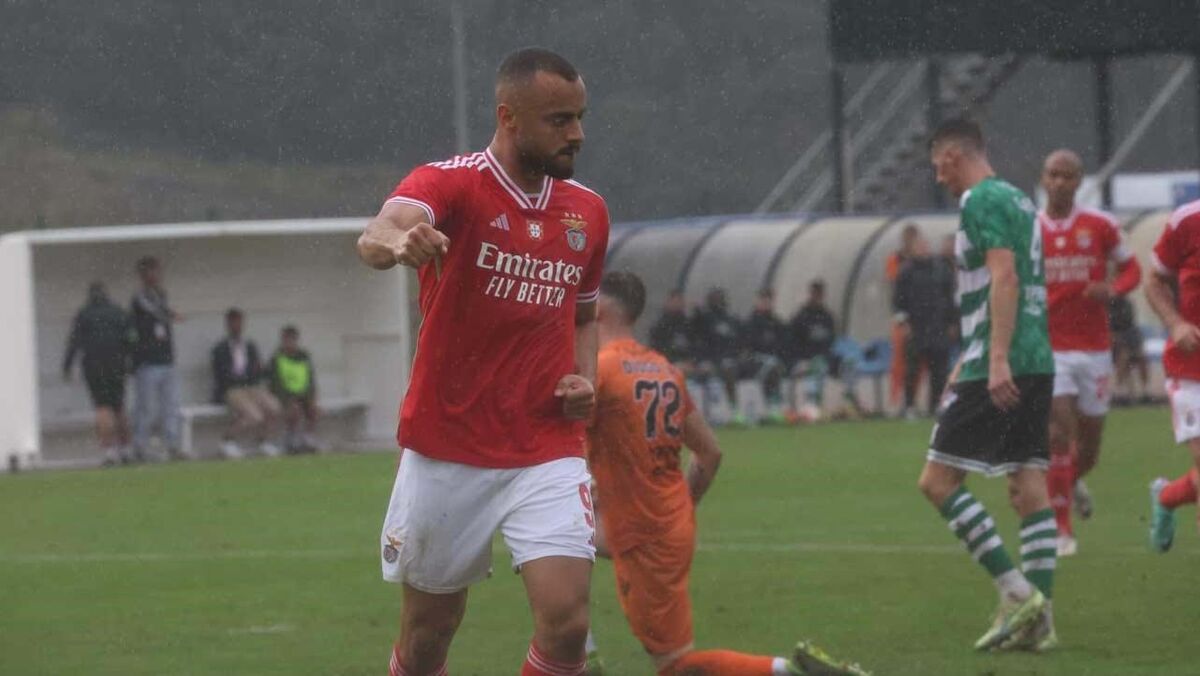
[505, 116]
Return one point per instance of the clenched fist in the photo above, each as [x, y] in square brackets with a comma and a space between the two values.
[578, 395]
[419, 245]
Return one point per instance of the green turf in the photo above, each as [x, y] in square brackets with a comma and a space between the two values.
[269, 566]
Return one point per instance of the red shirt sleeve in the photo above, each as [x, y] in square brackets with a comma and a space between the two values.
[589, 287]
[432, 189]
[1171, 250]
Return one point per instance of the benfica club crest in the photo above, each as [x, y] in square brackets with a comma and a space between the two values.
[535, 229]
[576, 239]
[1083, 238]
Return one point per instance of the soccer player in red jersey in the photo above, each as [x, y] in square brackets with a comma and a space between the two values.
[1176, 259]
[1078, 245]
[644, 417]
[509, 253]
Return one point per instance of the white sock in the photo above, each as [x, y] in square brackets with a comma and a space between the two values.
[779, 667]
[590, 645]
[1013, 586]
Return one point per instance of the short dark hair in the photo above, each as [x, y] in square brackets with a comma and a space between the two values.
[146, 263]
[523, 64]
[961, 130]
[627, 290]
[233, 313]
[290, 330]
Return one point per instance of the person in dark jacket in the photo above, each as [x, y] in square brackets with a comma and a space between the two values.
[100, 333]
[156, 383]
[812, 333]
[294, 383]
[716, 335]
[672, 336]
[238, 383]
[764, 340]
[923, 299]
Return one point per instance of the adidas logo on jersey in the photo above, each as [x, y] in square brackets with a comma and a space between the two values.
[500, 222]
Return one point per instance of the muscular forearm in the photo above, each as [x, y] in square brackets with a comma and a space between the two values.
[377, 244]
[1002, 309]
[1129, 274]
[587, 343]
[1161, 300]
[701, 474]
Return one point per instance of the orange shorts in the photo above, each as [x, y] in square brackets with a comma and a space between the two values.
[652, 584]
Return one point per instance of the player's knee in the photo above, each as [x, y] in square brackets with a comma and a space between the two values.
[1059, 439]
[428, 639]
[934, 488]
[564, 633]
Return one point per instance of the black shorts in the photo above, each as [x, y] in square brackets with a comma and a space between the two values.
[106, 384]
[1131, 340]
[972, 434]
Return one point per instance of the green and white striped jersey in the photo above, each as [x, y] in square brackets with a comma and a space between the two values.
[996, 215]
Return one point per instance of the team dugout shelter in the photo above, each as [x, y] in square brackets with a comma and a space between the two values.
[356, 323]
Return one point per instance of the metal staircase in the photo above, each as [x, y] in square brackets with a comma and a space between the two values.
[885, 150]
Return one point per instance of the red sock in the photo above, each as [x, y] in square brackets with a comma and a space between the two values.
[537, 665]
[1181, 491]
[719, 663]
[395, 668]
[1060, 483]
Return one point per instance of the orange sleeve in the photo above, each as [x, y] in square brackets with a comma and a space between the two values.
[891, 268]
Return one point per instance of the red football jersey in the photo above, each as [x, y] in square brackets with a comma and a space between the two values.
[1178, 253]
[498, 328]
[1077, 250]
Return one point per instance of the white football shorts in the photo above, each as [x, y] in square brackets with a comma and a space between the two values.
[1185, 408]
[1087, 376]
[437, 534]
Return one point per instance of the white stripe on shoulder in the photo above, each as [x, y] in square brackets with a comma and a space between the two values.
[1103, 215]
[588, 297]
[416, 203]
[460, 161]
[577, 184]
[1182, 213]
[1159, 266]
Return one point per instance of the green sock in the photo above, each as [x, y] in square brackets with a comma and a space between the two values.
[1039, 549]
[974, 526]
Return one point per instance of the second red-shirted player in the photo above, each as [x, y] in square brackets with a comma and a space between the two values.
[1079, 245]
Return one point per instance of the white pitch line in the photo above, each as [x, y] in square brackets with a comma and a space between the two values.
[170, 557]
[714, 547]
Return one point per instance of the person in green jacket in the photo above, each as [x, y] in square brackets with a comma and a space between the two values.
[294, 382]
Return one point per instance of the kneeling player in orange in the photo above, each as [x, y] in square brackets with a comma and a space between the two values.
[647, 521]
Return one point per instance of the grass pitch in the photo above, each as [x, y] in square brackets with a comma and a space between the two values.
[269, 566]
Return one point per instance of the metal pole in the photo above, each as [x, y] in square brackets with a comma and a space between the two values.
[933, 118]
[837, 84]
[459, 63]
[1104, 122]
[1196, 75]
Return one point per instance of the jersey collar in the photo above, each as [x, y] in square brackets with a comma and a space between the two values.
[1058, 225]
[514, 191]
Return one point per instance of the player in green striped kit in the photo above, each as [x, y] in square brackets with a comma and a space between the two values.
[994, 417]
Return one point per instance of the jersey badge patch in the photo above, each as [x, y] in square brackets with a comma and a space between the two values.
[577, 240]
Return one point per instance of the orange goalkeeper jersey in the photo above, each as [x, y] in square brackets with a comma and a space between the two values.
[634, 445]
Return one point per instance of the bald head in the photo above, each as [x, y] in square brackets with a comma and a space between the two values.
[1062, 172]
[520, 69]
[1064, 159]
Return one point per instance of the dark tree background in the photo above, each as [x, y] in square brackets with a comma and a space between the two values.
[696, 107]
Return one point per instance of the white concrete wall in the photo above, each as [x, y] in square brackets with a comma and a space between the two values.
[18, 373]
[353, 320]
